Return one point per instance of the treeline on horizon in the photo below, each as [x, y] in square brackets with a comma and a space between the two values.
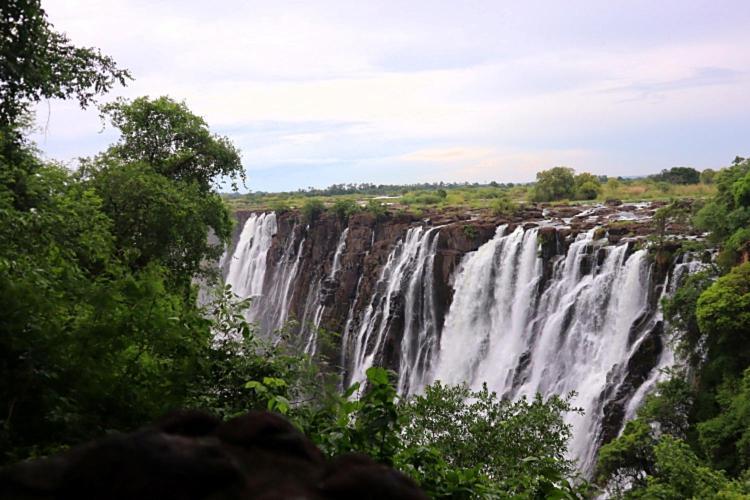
[559, 185]
[101, 330]
[675, 175]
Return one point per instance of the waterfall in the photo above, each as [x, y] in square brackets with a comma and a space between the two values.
[420, 332]
[574, 337]
[667, 359]
[249, 276]
[247, 267]
[275, 303]
[310, 326]
[408, 258]
[340, 246]
[522, 323]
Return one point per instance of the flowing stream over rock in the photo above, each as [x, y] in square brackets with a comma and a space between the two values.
[535, 310]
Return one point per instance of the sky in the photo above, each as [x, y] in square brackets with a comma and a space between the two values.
[322, 92]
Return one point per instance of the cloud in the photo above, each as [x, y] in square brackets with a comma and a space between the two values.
[347, 90]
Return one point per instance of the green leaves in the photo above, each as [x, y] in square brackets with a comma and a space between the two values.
[174, 142]
[38, 63]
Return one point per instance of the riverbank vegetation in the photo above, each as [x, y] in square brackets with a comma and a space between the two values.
[690, 439]
[565, 188]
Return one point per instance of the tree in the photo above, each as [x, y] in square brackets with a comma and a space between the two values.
[312, 209]
[175, 142]
[723, 313]
[588, 186]
[167, 222]
[679, 311]
[554, 184]
[37, 63]
[727, 215]
[678, 175]
[344, 208]
[708, 175]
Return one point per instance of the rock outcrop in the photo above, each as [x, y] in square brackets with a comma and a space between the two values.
[192, 455]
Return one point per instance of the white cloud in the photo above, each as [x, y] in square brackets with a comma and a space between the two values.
[412, 81]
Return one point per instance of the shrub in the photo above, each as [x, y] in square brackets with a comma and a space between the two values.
[312, 209]
[344, 209]
[503, 206]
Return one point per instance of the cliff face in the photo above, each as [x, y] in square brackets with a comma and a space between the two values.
[549, 300]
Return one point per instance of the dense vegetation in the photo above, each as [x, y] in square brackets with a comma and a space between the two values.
[692, 437]
[101, 330]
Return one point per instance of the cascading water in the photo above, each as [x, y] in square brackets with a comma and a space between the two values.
[248, 270]
[403, 271]
[247, 267]
[667, 358]
[310, 327]
[575, 337]
[523, 317]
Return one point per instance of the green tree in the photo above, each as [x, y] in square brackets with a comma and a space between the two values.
[725, 438]
[176, 143]
[723, 314]
[312, 209]
[708, 175]
[678, 175]
[38, 63]
[554, 184]
[729, 211]
[166, 222]
[344, 208]
[679, 311]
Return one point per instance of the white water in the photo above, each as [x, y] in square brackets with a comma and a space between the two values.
[340, 246]
[310, 326]
[408, 258]
[574, 338]
[247, 268]
[520, 324]
[667, 358]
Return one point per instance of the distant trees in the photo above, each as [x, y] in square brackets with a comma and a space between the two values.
[312, 209]
[678, 175]
[560, 183]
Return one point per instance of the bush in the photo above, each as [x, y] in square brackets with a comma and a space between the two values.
[377, 209]
[554, 184]
[503, 206]
[707, 176]
[311, 210]
[344, 209]
[588, 191]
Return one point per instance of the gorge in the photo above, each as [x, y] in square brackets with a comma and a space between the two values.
[552, 301]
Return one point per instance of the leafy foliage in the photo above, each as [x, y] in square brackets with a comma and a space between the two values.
[174, 142]
[455, 442]
[38, 63]
[311, 210]
[678, 175]
[692, 438]
[554, 184]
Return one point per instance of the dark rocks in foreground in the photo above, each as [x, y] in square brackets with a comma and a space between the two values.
[193, 455]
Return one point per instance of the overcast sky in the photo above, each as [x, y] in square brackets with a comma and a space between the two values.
[316, 93]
